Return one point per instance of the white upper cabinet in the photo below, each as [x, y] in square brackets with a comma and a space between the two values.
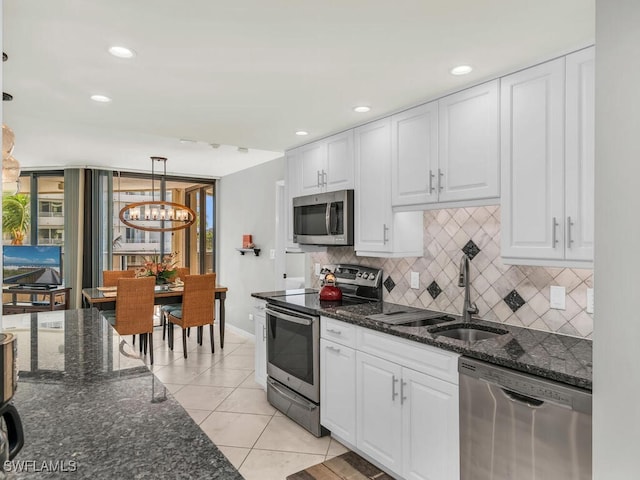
[379, 231]
[326, 165]
[414, 155]
[339, 170]
[373, 190]
[446, 153]
[547, 163]
[469, 162]
[579, 155]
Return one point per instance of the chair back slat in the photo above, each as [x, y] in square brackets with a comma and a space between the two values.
[110, 277]
[134, 305]
[198, 300]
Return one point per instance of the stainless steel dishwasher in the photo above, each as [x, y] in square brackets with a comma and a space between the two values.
[515, 426]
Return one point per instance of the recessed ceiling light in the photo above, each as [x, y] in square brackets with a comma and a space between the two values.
[361, 109]
[187, 140]
[100, 98]
[461, 70]
[121, 52]
[302, 133]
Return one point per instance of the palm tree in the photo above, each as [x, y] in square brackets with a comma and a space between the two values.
[15, 216]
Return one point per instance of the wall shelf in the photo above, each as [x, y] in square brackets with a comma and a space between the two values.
[256, 251]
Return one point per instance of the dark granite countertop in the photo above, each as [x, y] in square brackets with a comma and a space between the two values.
[556, 357]
[88, 402]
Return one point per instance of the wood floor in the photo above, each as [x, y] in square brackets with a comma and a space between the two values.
[348, 466]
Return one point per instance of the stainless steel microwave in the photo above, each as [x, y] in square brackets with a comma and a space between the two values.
[324, 218]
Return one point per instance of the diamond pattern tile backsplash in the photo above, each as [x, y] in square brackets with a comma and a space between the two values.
[516, 295]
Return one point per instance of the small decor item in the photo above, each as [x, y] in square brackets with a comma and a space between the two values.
[15, 216]
[247, 241]
[163, 270]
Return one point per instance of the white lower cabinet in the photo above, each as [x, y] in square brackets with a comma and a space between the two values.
[392, 400]
[430, 434]
[260, 330]
[379, 412]
[338, 391]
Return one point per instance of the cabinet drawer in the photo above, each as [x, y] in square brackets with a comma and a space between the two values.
[417, 356]
[337, 331]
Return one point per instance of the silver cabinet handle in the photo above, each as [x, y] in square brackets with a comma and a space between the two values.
[337, 332]
[334, 349]
[440, 182]
[394, 394]
[569, 225]
[324, 178]
[402, 397]
[385, 229]
[431, 175]
[554, 226]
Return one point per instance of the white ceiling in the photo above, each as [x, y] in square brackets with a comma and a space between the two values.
[249, 73]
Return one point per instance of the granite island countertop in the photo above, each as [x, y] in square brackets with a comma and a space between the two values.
[549, 355]
[88, 402]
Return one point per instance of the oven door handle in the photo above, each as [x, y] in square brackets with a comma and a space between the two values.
[292, 399]
[289, 318]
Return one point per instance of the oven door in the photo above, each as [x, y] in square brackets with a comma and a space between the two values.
[293, 350]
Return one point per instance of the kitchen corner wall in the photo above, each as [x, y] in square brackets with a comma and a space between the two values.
[517, 295]
[246, 204]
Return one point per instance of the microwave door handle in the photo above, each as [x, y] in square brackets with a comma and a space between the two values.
[327, 218]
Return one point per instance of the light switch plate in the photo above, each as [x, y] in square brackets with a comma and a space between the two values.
[589, 300]
[557, 296]
[415, 279]
[272, 254]
[317, 269]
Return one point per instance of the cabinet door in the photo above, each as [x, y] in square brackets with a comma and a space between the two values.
[373, 187]
[338, 390]
[532, 141]
[261, 346]
[379, 413]
[469, 167]
[579, 155]
[338, 174]
[312, 160]
[414, 155]
[430, 439]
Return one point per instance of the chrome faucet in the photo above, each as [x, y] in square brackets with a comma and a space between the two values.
[468, 308]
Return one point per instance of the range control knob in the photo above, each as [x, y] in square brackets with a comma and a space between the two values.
[365, 276]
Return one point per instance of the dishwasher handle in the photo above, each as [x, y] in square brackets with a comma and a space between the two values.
[519, 398]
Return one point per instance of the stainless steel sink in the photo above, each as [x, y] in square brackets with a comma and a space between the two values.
[411, 318]
[426, 322]
[469, 333]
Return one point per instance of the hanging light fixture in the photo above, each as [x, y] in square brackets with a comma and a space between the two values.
[157, 215]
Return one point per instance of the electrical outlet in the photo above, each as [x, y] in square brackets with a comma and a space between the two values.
[272, 254]
[557, 297]
[251, 317]
[317, 269]
[415, 279]
[589, 300]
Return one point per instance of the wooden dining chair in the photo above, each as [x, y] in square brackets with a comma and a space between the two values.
[164, 311]
[134, 310]
[197, 308]
[110, 277]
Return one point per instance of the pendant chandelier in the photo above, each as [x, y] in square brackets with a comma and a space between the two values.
[10, 166]
[157, 215]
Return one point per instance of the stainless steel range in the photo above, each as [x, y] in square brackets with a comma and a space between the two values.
[293, 342]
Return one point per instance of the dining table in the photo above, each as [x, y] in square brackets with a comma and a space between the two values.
[104, 298]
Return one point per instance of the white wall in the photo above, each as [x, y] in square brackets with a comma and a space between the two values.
[247, 205]
[616, 416]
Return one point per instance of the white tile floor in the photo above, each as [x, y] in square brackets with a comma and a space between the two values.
[221, 396]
